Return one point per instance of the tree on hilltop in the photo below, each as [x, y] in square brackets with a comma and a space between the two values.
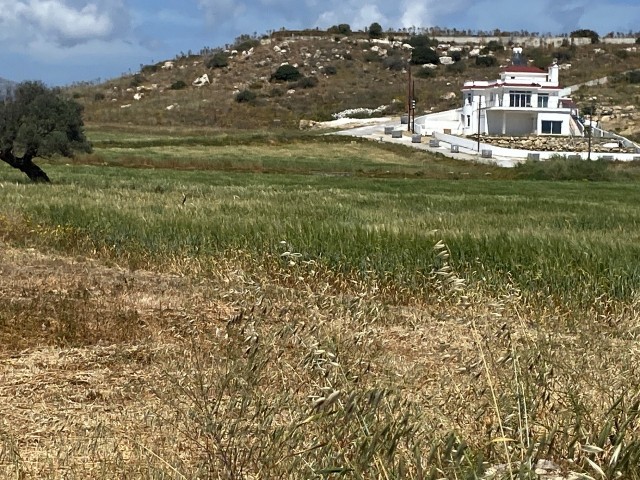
[36, 121]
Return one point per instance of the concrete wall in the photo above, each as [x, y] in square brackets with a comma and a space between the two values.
[519, 40]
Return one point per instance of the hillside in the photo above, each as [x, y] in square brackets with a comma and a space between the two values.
[338, 73]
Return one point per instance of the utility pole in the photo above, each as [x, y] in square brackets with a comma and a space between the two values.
[479, 111]
[409, 100]
[591, 115]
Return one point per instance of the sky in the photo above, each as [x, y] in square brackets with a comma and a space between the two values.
[61, 42]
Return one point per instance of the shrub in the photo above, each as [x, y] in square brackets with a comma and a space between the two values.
[633, 77]
[486, 61]
[395, 63]
[137, 80]
[458, 67]
[99, 96]
[456, 56]
[375, 30]
[245, 42]
[245, 96]
[424, 54]
[219, 60]
[638, 40]
[425, 73]
[622, 54]
[563, 55]
[493, 46]
[306, 82]
[286, 73]
[149, 68]
[330, 70]
[420, 41]
[178, 85]
[372, 57]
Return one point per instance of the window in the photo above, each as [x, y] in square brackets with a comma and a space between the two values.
[543, 100]
[551, 128]
[468, 120]
[469, 98]
[519, 99]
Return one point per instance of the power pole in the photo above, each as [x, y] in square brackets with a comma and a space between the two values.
[479, 111]
[409, 100]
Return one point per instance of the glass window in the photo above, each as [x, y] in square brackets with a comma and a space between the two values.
[543, 100]
[519, 99]
[551, 127]
[468, 120]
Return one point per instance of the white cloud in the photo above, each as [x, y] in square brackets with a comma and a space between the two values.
[62, 22]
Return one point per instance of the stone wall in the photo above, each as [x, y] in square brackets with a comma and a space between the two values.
[555, 144]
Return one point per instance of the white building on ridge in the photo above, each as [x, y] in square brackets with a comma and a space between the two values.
[525, 100]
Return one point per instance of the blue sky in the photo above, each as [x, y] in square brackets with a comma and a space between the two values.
[65, 41]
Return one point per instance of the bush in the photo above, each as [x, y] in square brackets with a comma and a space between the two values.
[372, 57]
[149, 68]
[245, 96]
[178, 85]
[633, 77]
[638, 40]
[622, 54]
[486, 61]
[424, 54]
[456, 56]
[245, 42]
[395, 63]
[330, 70]
[425, 73]
[563, 55]
[137, 80]
[494, 46]
[306, 82]
[99, 96]
[219, 60]
[286, 73]
[458, 67]
[420, 41]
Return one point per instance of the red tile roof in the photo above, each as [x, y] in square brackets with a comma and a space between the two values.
[523, 69]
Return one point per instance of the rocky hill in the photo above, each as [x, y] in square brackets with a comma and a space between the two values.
[237, 86]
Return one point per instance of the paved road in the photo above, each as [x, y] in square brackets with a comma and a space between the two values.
[376, 133]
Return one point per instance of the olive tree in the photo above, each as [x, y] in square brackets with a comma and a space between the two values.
[36, 121]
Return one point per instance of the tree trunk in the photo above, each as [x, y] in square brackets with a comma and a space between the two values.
[25, 164]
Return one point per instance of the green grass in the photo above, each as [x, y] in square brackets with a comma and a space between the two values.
[569, 241]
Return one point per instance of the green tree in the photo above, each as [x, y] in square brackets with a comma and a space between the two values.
[342, 29]
[36, 121]
[375, 30]
[584, 32]
[423, 54]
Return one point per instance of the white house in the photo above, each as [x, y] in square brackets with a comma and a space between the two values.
[525, 100]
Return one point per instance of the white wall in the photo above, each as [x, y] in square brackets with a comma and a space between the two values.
[556, 117]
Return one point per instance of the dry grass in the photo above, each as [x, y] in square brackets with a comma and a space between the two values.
[114, 373]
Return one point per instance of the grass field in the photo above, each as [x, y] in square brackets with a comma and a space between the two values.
[265, 306]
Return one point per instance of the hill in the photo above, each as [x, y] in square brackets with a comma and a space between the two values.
[338, 73]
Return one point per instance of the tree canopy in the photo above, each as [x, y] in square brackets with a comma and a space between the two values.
[36, 121]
